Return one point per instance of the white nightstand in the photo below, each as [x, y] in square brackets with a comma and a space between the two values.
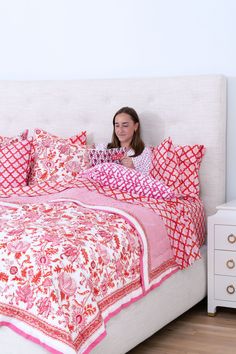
[221, 254]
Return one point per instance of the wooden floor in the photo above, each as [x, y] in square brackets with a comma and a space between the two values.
[195, 333]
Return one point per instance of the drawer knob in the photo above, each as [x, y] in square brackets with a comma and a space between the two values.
[230, 264]
[232, 238]
[230, 289]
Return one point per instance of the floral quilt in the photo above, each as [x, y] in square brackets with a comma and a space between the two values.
[73, 255]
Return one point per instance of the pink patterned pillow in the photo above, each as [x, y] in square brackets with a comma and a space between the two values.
[164, 165]
[128, 180]
[57, 159]
[4, 140]
[96, 157]
[14, 164]
[189, 160]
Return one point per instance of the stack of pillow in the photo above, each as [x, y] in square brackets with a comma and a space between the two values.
[46, 157]
[178, 166]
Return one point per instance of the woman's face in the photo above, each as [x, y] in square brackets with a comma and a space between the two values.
[125, 128]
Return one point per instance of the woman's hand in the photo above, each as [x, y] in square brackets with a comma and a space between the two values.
[127, 162]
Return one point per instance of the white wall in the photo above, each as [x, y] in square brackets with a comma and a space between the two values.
[72, 39]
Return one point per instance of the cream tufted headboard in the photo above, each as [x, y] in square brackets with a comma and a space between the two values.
[189, 109]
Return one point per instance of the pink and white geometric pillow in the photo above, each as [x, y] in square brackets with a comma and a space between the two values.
[57, 159]
[14, 164]
[189, 161]
[164, 165]
[128, 180]
[178, 166]
[96, 157]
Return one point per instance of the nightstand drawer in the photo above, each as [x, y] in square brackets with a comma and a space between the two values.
[225, 288]
[225, 237]
[225, 263]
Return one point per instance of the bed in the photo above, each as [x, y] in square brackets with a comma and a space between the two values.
[190, 110]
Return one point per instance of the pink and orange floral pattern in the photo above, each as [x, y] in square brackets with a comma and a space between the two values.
[56, 159]
[59, 274]
[66, 268]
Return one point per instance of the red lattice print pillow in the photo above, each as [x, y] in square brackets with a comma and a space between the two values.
[164, 165]
[4, 140]
[57, 159]
[128, 180]
[14, 164]
[189, 161]
[96, 157]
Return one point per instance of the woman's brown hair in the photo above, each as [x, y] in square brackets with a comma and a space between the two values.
[136, 144]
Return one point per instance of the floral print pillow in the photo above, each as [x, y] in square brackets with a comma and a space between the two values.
[57, 159]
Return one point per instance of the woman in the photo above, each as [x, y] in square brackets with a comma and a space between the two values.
[126, 133]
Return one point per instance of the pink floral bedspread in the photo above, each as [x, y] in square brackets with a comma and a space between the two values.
[73, 255]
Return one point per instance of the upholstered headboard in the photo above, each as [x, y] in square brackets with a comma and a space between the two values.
[189, 109]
